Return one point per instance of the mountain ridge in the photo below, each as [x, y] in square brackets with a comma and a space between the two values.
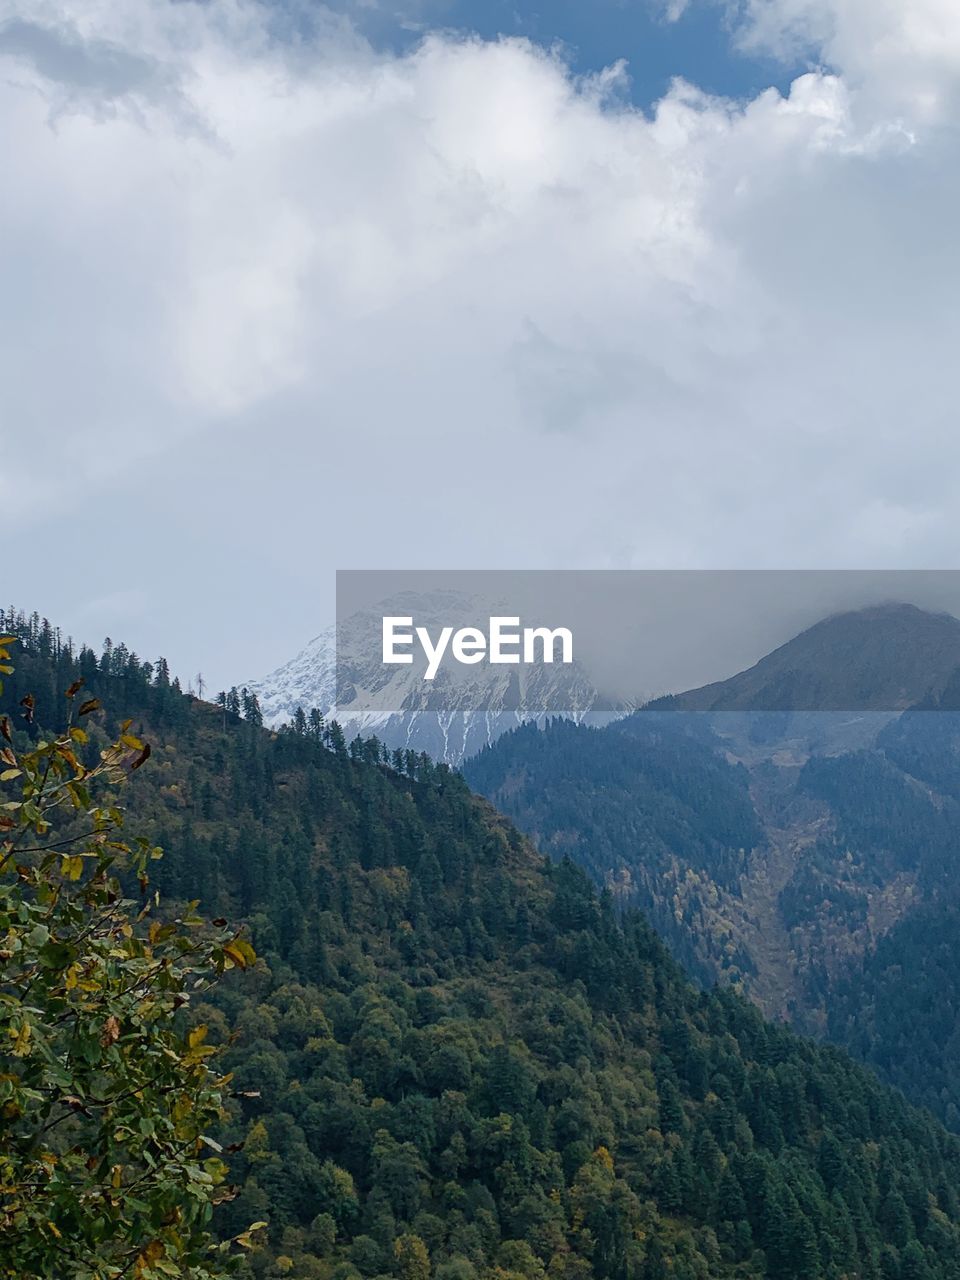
[883, 658]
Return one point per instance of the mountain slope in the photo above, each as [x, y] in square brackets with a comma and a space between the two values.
[463, 1062]
[847, 827]
[647, 808]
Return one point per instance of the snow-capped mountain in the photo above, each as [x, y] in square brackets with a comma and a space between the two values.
[451, 717]
[307, 680]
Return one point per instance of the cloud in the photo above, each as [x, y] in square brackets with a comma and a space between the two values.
[673, 10]
[277, 301]
[902, 56]
[91, 74]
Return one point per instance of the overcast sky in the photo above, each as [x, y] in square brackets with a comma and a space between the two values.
[282, 294]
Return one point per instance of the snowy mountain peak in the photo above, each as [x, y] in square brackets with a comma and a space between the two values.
[451, 717]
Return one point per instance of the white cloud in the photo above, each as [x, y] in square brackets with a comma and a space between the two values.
[673, 10]
[457, 306]
[903, 54]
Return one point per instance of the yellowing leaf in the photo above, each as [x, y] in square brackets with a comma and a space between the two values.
[234, 952]
[21, 1043]
[71, 759]
[245, 1240]
[240, 952]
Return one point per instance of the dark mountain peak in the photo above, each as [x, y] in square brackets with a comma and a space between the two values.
[885, 657]
[893, 614]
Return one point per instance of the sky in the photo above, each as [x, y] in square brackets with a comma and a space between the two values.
[288, 289]
[658, 41]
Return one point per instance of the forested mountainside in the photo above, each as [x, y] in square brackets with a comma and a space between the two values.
[800, 856]
[460, 1061]
[647, 808]
[899, 1009]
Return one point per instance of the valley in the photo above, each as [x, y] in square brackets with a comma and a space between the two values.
[777, 850]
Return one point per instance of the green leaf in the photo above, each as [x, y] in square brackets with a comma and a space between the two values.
[57, 955]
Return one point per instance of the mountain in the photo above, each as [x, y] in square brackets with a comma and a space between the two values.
[450, 717]
[454, 1059]
[885, 658]
[799, 855]
[650, 810]
[307, 680]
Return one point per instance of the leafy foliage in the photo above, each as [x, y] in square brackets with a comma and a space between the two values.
[105, 1096]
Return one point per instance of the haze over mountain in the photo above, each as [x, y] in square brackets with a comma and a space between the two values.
[885, 658]
[873, 661]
